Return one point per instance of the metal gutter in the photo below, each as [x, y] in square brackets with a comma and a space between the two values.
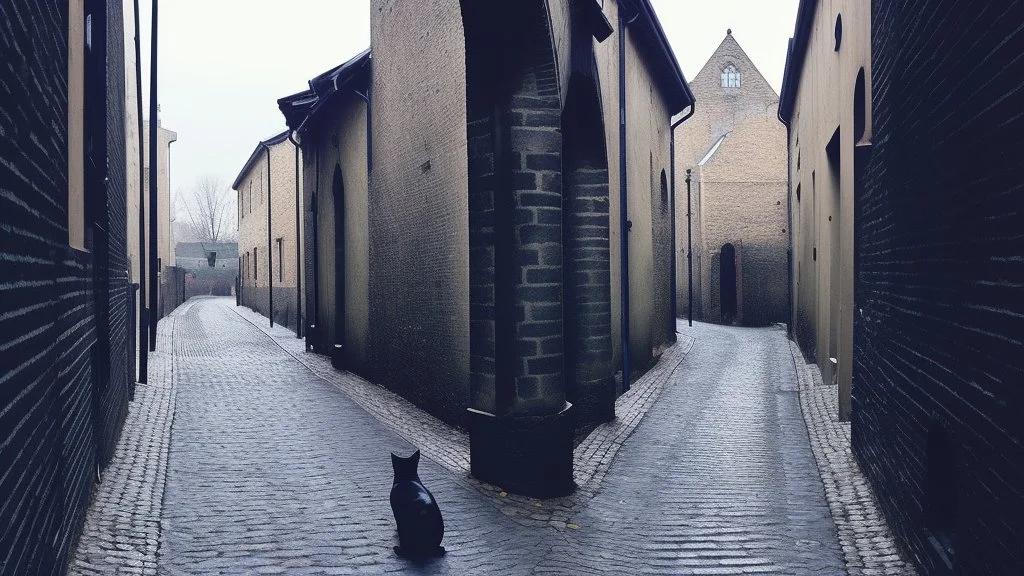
[298, 242]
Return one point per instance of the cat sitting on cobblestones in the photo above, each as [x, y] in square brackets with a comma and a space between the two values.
[420, 527]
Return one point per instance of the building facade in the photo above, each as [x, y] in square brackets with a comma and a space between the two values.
[269, 207]
[826, 104]
[906, 236]
[473, 246]
[735, 148]
[64, 293]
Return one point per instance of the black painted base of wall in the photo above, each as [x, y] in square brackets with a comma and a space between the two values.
[528, 455]
[595, 401]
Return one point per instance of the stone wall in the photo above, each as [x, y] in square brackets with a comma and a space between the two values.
[938, 356]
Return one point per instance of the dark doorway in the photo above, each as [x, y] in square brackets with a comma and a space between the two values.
[727, 283]
[338, 192]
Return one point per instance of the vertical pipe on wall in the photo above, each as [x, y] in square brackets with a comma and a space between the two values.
[689, 251]
[270, 244]
[298, 242]
[315, 209]
[672, 170]
[624, 224]
[143, 333]
[154, 210]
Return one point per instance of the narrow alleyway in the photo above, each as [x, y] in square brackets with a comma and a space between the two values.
[273, 470]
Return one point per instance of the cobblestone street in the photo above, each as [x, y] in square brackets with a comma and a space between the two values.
[279, 466]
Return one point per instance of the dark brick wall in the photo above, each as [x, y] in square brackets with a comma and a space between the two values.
[939, 360]
[63, 371]
[515, 212]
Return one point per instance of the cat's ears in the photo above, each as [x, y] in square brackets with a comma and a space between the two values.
[415, 459]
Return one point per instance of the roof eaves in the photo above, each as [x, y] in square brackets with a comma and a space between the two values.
[326, 85]
[795, 58]
[254, 157]
[680, 95]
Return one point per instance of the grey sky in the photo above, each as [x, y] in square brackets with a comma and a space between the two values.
[224, 63]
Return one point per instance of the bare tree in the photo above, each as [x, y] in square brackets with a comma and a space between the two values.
[210, 207]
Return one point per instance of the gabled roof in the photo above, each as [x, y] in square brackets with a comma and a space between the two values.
[730, 42]
[649, 33]
[795, 58]
[255, 156]
[300, 107]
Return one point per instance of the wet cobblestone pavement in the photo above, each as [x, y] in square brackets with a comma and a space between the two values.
[278, 465]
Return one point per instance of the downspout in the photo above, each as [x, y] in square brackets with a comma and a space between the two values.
[689, 251]
[154, 165]
[624, 223]
[672, 170]
[298, 243]
[270, 244]
[314, 208]
[368, 98]
[143, 311]
[789, 230]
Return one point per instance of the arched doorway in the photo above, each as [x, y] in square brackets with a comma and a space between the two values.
[338, 195]
[727, 283]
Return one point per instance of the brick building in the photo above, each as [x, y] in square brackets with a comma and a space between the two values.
[906, 230]
[65, 369]
[836, 61]
[736, 148]
[330, 120]
[269, 207]
[469, 211]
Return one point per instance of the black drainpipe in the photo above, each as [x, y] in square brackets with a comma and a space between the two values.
[672, 170]
[154, 169]
[314, 208]
[368, 98]
[143, 309]
[270, 244]
[624, 223]
[298, 242]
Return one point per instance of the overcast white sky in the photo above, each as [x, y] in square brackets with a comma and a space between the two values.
[223, 64]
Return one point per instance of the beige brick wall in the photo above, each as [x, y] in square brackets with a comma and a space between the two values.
[254, 201]
[823, 216]
[647, 142]
[339, 143]
[739, 195]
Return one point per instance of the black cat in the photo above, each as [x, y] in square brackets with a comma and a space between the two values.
[420, 527]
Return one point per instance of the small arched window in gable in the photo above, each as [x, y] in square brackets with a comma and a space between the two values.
[730, 77]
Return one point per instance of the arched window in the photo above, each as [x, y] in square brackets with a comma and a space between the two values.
[730, 77]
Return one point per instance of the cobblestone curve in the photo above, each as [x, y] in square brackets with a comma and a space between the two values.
[868, 547]
[717, 479]
[122, 526]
